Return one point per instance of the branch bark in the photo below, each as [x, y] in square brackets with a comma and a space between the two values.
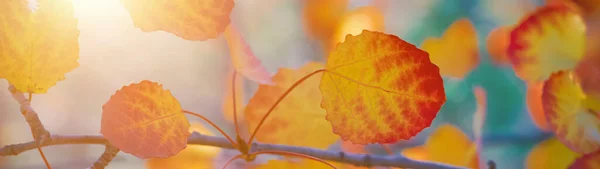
[199, 139]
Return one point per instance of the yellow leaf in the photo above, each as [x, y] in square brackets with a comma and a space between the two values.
[380, 89]
[37, 48]
[572, 115]
[550, 154]
[449, 145]
[456, 52]
[145, 120]
[550, 39]
[192, 157]
[298, 119]
[189, 19]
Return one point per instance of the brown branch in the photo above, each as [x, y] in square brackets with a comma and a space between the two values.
[199, 139]
[109, 154]
[40, 134]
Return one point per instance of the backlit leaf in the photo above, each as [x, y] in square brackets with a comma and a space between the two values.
[37, 48]
[550, 154]
[192, 157]
[227, 106]
[456, 52]
[534, 105]
[189, 19]
[298, 119]
[572, 115]
[145, 120]
[321, 17]
[497, 44]
[589, 70]
[354, 22]
[243, 59]
[590, 161]
[449, 145]
[404, 93]
[551, 38]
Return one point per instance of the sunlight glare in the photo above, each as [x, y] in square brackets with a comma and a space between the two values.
[97, 8]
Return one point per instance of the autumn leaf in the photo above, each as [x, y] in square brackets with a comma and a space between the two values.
[550, 154]
[380, 89]
[294, 164]
[243, 59]
[298, 119]
[589, 69]
[534, 105]
[572, 115]
[192, 157]
[227, 106]
[320, 17]
[145, 120]
[589, 161]
[354, 22]
[446, 138]
[550, 39]
[189, 19]
[497, 44]
[456, 52]
[37, 48]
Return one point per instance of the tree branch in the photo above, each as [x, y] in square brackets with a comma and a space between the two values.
[199, 139]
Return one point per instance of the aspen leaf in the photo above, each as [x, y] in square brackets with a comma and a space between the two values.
[298, 119]
[449, 145]
[192, 157]
[354, 22]
[589, 161]
[550, 154]
[196, 20]
[497, 44]
[227, 106]
[572, 115]
[456, 52]
[321, 17]
[550, 39]
[383, 89]
[534, 105]
[243, 59]
[589, 69]
[37, 48]
[145, 120]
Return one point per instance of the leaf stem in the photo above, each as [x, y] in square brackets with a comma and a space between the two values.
[214, 125]
[231, 160]
[233, 86]
[296, 155]
[39, 148]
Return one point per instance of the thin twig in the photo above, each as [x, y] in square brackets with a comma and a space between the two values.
[109, 154]
[198, 139]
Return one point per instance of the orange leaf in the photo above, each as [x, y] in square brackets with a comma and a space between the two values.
[243, 59]
[37, 48]
[188, 19]
[298, 119]
[497, 44]
[227, 106]
[534, 105]
[550, 153]
[321, 16]
[192, 157]
[354, 22]
[380, 89]
[589, 70]
[550, 39]
[456, 52]
[447, 144]
[590, 161]
[145, 120]
[572, 115]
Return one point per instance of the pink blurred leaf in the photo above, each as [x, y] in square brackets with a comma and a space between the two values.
[244, 61]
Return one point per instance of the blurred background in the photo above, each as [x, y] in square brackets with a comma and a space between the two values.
[114, 53]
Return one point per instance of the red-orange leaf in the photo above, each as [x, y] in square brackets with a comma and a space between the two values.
[534, 105]
[497, 44]
[550, 39]
[243, 59]
[590, 161]
[380, 89]
[572, 114]
[145, 120]
[456, 52]
[188, 19]
[298, 119]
